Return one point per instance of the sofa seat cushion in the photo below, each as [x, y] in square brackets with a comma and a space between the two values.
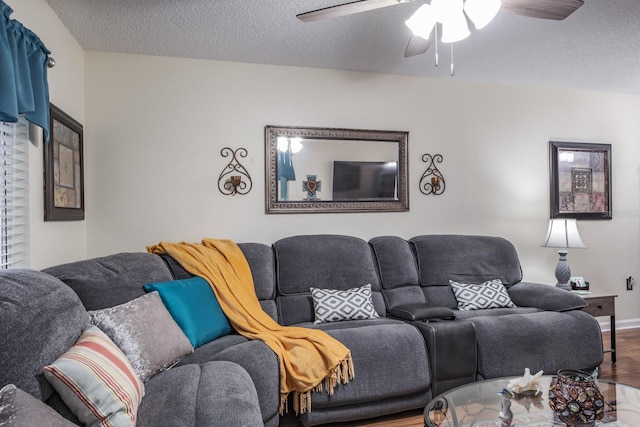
[256, 358]
[380, 373]
[208, 351]
[351, 324]
[211, 394]
[546, 341]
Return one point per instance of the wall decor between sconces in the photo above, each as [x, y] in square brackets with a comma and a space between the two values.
[234, 178]
[432, 181]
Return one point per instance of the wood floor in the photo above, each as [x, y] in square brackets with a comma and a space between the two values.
[626, 370]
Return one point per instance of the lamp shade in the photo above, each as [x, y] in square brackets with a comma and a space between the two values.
[563, 233]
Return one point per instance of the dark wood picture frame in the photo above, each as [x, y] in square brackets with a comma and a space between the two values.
[580, 178]
[64, 169]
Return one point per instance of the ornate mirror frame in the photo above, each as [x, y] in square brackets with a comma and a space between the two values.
[273, 205]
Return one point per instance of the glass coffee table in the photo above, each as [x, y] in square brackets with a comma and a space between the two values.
[478, 405]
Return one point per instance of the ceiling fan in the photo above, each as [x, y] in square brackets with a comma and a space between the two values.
[426, 22]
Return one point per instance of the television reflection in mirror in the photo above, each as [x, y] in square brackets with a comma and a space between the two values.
[364, 180]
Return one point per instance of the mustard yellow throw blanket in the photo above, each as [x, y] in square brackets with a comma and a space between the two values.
[310, 360]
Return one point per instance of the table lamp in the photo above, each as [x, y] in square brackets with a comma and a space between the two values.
[563, 234]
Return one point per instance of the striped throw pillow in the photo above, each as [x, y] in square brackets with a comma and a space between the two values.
[96, 381]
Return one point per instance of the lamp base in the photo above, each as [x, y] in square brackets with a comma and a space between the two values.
[563, 272]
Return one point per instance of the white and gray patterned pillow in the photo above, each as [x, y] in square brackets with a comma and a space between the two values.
[331, 305]
[490, 294]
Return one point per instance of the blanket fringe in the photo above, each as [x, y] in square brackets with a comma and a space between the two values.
[341, 374]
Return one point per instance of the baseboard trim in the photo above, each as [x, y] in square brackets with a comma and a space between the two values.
[621, 324]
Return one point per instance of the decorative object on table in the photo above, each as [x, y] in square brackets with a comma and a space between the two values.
[563, 234]
[432, 181]
[527, 384]
[505, 413]
[311, 186]
[438, 411]
[64, 169]
[580, 178]
[576, 398]
[230, 181]
[578, 284]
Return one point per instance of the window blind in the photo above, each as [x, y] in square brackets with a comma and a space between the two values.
[14, 194]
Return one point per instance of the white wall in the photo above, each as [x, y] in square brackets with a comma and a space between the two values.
[53, 242]
[156, 127]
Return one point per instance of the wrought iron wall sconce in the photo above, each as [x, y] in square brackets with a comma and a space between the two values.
[432, 181]
[234, 178]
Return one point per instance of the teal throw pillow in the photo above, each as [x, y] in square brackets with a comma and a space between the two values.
[194, 307]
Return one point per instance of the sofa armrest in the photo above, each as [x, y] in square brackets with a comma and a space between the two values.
[545, 297]
[421, 312]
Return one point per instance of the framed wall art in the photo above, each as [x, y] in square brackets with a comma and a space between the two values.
[64, 169]
[580, 177]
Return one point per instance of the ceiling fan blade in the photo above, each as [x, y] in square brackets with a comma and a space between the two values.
[544, 9]
[418, 46]
[347, 9]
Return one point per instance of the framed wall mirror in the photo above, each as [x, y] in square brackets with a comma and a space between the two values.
[312, 170]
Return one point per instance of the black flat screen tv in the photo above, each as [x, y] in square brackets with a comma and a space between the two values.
[364, 180]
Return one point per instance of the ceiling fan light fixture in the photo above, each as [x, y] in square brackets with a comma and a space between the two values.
[454, 23]
[481, 12]
[422, 22]
[455, 31]
[442, 9]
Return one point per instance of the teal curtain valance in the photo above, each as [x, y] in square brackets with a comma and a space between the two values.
[23, 73]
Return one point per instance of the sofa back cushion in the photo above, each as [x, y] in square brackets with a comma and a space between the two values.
[398, 271]
[325, 262]
[111, 280]
[262, 265]
[40, 319]
[462, 258]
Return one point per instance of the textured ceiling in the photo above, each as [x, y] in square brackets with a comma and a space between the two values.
[596, 48]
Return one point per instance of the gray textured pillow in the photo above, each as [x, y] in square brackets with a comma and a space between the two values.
[331, 305]
[490, 294]
[145, 332]
[19, 409]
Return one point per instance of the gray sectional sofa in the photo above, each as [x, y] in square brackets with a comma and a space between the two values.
[421, 344]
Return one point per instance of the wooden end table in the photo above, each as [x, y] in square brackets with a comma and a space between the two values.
[601, 304]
